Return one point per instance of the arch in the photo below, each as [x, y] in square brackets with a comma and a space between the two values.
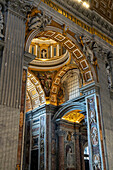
[70, 44]
[68, 108]
[35, 95]
[57, 82]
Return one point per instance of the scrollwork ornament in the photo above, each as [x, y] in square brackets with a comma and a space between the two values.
[108, 71]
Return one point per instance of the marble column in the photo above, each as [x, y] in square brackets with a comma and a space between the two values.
[51, 51]
[57, 49]
[61, 134]
[77, 149]
[36, 51]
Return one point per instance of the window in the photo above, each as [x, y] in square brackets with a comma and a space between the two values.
[73, 86]
[54, 51]
[33, 50]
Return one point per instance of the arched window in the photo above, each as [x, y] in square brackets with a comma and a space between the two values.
[71, 84]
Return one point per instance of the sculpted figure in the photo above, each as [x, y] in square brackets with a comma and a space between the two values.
[92, 116]
[94, 136]
[38, 21]
[1, 22]
[87, 48]
[108, 70]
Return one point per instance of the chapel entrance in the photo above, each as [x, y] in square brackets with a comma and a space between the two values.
[71, 127]
[58, 75]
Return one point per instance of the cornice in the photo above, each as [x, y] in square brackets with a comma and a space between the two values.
[86, 19]
[93, 88]
[28, 57]
[87, 15]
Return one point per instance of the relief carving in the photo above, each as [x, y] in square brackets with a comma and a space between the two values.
[88, 46]
[94, 136]
[96, 162]
[96, 159]
[1, 22]
[108, 71]
[92, 116]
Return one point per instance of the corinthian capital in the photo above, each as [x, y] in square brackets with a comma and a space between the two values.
[21, 6]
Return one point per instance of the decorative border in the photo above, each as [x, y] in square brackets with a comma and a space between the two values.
[69, 44]
[93, 133]
[59, 37]
[75, 53]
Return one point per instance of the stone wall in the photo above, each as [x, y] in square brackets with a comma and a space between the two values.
[9, 128]
[107, 110]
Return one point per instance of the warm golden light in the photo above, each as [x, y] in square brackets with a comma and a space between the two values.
[74, 116]
[79, 0]
[86, 4]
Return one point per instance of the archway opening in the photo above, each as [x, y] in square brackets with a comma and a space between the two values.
[55, 77]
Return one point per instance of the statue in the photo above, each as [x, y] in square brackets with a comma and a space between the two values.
[44, 53]
[88, 49]
[1, 22]
[87, 45]
[69, 156]
[108, 70]
[40, 20]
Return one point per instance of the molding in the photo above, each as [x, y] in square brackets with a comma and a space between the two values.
[90, 89]
[28, 57]
[67, 108]
[49, 64]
